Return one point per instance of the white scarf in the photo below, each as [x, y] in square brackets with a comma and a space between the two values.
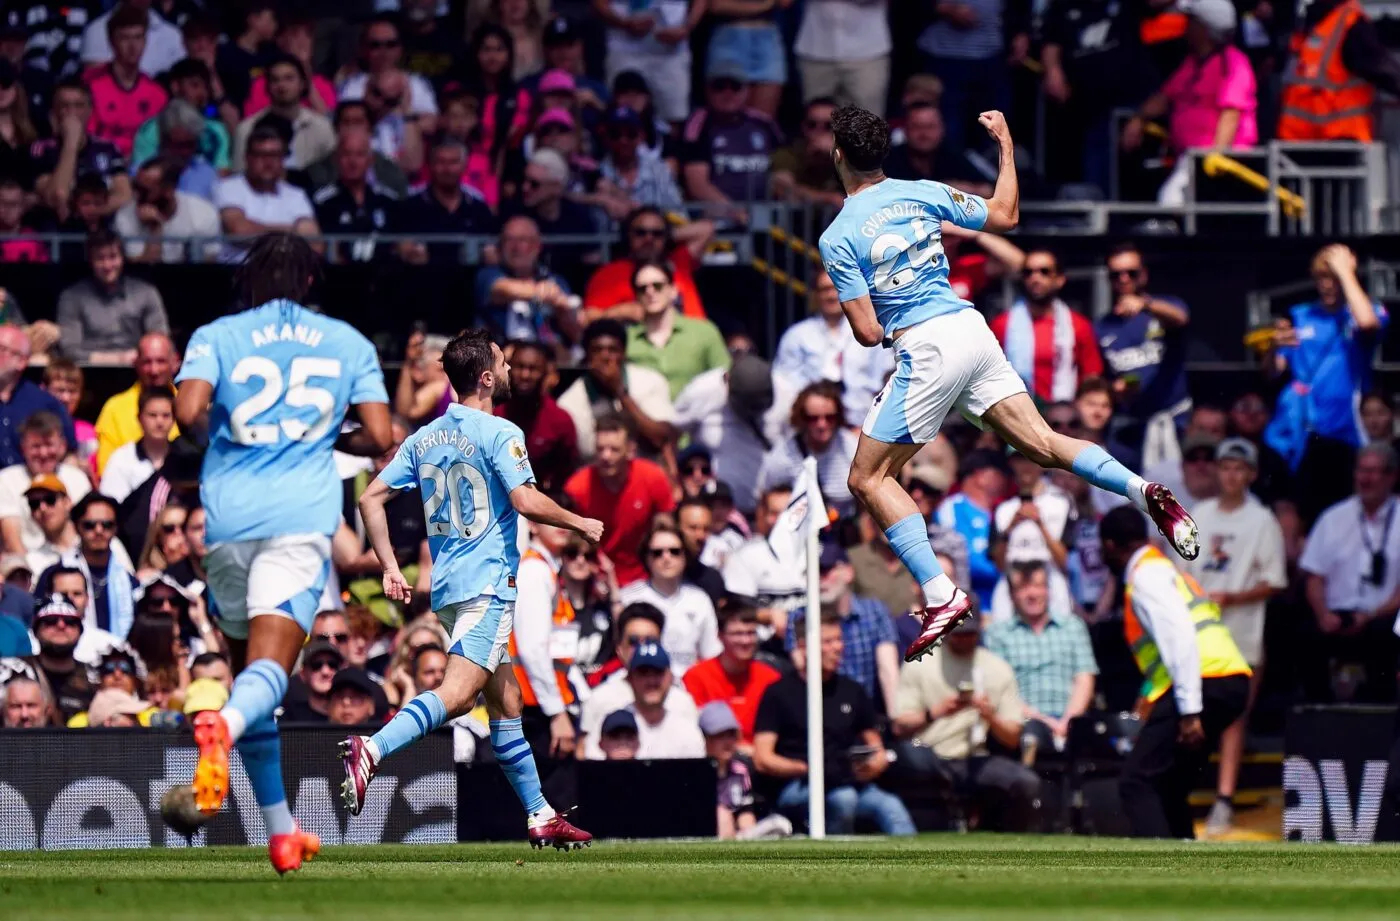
[1020, 349]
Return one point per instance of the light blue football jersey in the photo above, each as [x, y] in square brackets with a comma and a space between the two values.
[466, 463]
[888, 242]
[283, 377]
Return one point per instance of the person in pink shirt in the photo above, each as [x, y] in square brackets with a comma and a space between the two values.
[123, 98]
[461, 119]
[297, 38]
[11, 217]
[1211, 100]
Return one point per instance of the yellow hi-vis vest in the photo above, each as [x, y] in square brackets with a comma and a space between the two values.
[1219, 655]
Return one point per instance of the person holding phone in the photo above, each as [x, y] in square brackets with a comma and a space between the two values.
[1030, 528]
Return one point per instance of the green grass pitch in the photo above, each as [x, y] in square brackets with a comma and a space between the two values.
[943, 876]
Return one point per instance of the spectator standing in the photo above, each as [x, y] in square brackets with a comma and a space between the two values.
[747, 43]
[854, 755]
[42, 448]
[312, 134]
[1325, 349]
[1212, 97]
[637, 179]
[1352, 565]
[398, 132]
[679, 347]
[430, 47]
[752, 570]
[652, 39]
[623, 492]
[1248, 418]
[240, 59]
[522, 300]
[161, 46]
[524, 21]
[736, 415]
[353, 203]
[549, 432]
[734, 677]
[381, 52]
[296, 38]
[922, 154]
[104, 316]
[58, 626]
[505, 107]
[134, 463]
[563, 50]
[103, 560]
[951, 703]
[119, 421]
[967, 48]
[1335, 44]
[1049, 652]
[354, 117]
[123, 97]
[819, 430]
[72, 152]
[543, 642]
[1143, 342]
[163, 224]
[1241, 568]
[803, 171]
[691, 632]
[261, 200]
[1051, 346]
[727, 147]
[21, 398]
[647, 237]
[613, 386]
[50, 515]
[823, 347]
[982, 481]
[444, 206]
[1031, 526]
[843, 51]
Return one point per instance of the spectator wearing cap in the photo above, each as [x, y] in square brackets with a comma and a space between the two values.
[679, 347]
[123, 96]
[114, 709]
[654, 42]
[734, 678]
[523, 301]
[752, 570]
[349, 117]
[1031, 526]
[563, 50]
[622, 491]
[803, 170]
[16, 577]
[1242, 565]
[21, 398]
[630, 90]
[647, 237]
[104, 562]
[734, 807]
[161, 221]
[843, 51]
[351, 700]
[444, 206]
[134, 463]
[550, 436]
[160, 50]
[308, 694]
[120, 669]
[1212, 97]
[727, 148]
[353, 203]
[636, 179]
[819, 430]
[381, 52]
[691, 632]
[312, 134]
[430, 48]
[739, 415]
[296, 38]
[25, 704]
[662, 732]
[870, 655]
[951, 703]
[261, 200]
[618, 737]
[613, 386]
[57, 627]
[695, 519]
[1050, 652]
[854, 754]
[822, 347]
[49, 510]
[102, 317]
[1051, 346]
[982, 481]
[42, 449]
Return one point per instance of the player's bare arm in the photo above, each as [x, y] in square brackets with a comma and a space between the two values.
[861, 313]
[192, 403]
[539, 508]
[1004, 207]
[375, 434]
[372, 503]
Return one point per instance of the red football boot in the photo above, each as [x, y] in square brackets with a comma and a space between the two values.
[558, 832]
[1172, 520]
[288, 851]
[211, 773]
[938, 623]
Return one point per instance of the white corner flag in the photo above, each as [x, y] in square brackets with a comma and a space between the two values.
[794, 540]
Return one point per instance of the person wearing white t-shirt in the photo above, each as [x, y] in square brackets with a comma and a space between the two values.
[1241, 567]
[753, 571]
[1032, 532]
[133, 463]
[165, 46]
[160, 221]
[691, 632]
[260, 200]
[662, 732]
[42, 447]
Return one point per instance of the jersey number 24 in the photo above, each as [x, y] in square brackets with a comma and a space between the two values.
[896, 259]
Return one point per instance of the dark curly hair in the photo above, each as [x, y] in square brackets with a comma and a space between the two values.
[863, 137]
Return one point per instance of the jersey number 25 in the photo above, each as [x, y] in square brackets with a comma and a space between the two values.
[296, 393]
[896, 258]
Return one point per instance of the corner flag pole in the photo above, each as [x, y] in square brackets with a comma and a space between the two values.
[816, 761]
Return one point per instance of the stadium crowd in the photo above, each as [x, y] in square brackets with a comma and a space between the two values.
[157, 128]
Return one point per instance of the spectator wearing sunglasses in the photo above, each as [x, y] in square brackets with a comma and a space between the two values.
[381, 51]
[309, 691]
[42, 446]
[589, 582]
[820, 430]
[692, 631]
[104, 562]
[1144, 348]
[803, 170]
[58, 626]
[1051, 346]
[647, 237]
[679, 347]
[119, 670]
[49, 512]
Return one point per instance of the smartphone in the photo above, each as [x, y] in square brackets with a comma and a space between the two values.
[965, 689]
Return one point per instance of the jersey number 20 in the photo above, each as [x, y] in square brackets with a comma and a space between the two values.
[896, 259]
[298, 394]
[447, 487]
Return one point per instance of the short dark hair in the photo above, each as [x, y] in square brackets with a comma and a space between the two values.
[346, 105]
[862, 137]
[101, 238]
[90, 184]
[80, 509]
[153, 393]
[693, 502]
[829, 617]
[466, 358]
[662, 265]
[186, 68]
[1094, 384]
[743, 613]
[168, 166]
[1123, 526]
[604, 328]
[420, 652]
[1020, 572]
[44, 586]
[810, 104]
[1126, 248]
[286, 60]
[271, 127]
[640, 610]
[126, 16]
[1045, 251]
[612, 422]
[41, 423]
[74, 84]
[208, 658]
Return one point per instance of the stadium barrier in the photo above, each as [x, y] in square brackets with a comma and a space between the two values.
[1341, 774]
[101, 788]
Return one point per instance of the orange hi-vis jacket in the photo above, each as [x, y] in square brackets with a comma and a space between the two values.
[563, 659]
[1322, 100]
